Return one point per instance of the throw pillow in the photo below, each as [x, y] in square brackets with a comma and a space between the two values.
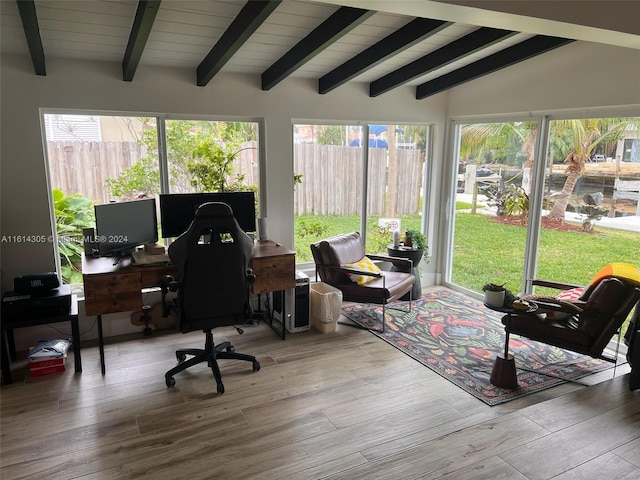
[573, 294]
[568, 299]
[365, 264]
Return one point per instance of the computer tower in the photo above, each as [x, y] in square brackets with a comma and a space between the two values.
[296, 303]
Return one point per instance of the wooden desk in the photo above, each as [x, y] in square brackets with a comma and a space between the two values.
[275, 269]
[110, 288]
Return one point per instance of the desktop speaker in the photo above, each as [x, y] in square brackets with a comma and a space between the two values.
[34, 284]
[263, 229]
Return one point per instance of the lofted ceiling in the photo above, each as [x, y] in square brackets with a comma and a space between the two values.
[332, 42]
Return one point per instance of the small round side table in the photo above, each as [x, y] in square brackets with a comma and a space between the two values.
[413, 254]
[503, 374]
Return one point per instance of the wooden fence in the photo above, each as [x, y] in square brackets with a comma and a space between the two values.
[332, 180]
[331, 175]
[84, 167]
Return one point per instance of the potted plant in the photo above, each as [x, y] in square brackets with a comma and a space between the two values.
[494, 294]
[416, 238]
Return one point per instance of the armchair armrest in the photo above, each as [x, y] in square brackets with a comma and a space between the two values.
[550, 304]
[556, 285]
[397, 261]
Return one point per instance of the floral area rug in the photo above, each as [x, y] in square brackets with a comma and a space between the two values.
[459, 338]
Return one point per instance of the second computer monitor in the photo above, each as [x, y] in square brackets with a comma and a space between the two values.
[177, 210]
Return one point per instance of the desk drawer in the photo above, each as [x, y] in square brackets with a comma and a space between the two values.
[112, 293]
[95, 285]
[121, 302]
[274, 273]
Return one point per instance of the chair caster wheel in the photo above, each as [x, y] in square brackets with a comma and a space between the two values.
[220, 388]
[231, 349]
[171, 382]
[181, 357]
[256, 366]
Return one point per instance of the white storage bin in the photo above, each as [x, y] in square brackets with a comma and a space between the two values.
[326, 302]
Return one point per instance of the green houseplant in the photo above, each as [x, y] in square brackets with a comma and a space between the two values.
[494, 294]
[73, 213]
[418, 240]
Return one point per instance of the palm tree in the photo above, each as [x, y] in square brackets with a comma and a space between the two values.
[581, 137]
[586, 134]
[501, 139]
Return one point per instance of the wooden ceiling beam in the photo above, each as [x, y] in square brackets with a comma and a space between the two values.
[460, 48]
[409, 35]
[145, 16]
[29, 19]
[331, 30]
[497, 61]
[252, 15]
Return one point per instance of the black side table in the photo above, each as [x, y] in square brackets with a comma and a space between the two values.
[413, 254]
[9, 322]
[503, 374]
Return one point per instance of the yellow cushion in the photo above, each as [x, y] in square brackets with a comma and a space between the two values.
[365, 264]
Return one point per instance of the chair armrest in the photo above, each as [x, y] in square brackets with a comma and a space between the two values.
[251, 277]
[556, 285]
[556, 305]
[167, 284]
[397, 261]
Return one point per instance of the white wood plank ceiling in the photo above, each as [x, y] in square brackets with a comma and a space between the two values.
[274, 40]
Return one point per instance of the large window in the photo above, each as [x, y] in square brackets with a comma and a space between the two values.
[588, 220]
[95, 159]
[542, 198]
[336, 171]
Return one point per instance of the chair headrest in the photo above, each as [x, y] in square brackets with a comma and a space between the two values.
[213, 209]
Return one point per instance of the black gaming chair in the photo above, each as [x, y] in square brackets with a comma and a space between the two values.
[212, 257]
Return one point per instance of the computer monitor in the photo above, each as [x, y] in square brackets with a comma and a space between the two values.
[122, 226]
[177, 210]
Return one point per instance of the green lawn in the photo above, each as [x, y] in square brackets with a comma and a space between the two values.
[485, 251]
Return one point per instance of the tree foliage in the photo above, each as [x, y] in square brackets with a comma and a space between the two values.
[139, 179]
[199, 154]
[212, 169]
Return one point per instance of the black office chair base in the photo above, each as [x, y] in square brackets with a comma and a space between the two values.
[210, 354]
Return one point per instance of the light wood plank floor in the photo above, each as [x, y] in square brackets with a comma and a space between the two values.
[344, 405]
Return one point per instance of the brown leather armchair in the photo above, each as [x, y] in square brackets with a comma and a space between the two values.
[333, 254]
[585, 326]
